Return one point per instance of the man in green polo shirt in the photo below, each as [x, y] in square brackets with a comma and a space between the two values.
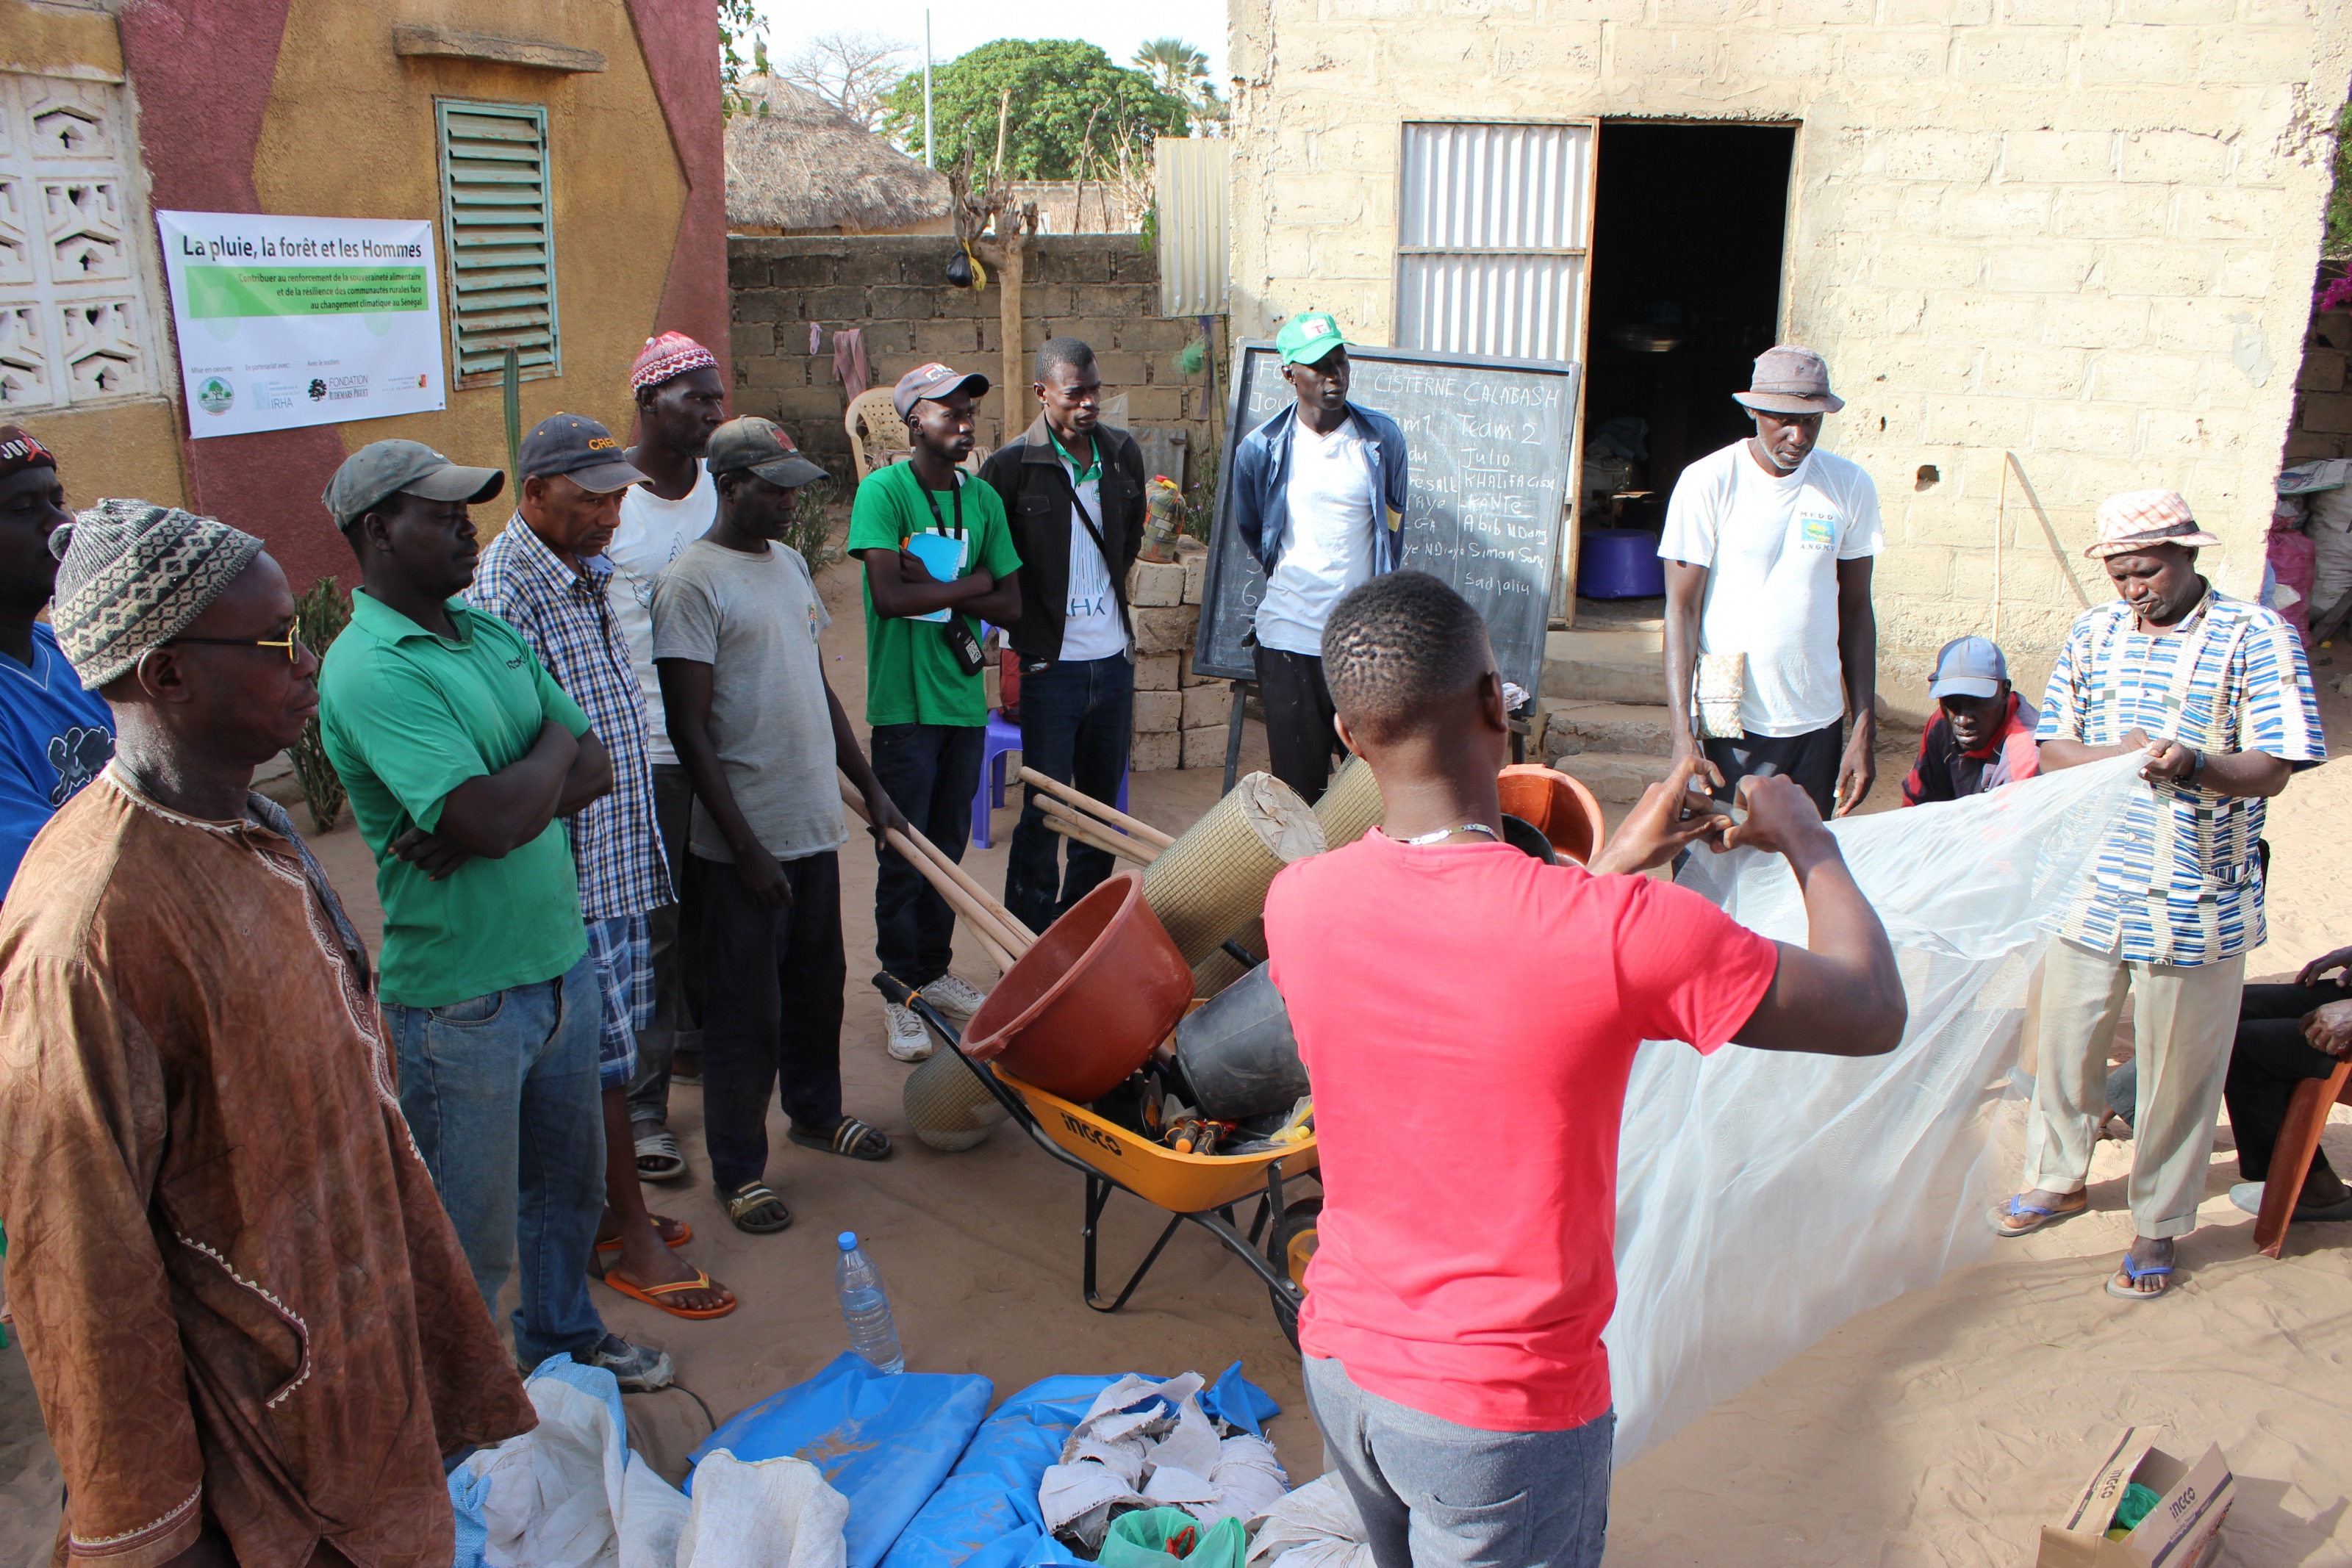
[939, 560]
[459, 753]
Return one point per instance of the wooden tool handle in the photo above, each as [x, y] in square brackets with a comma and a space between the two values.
[1111, 814]
[1108, 842]
[995, 927]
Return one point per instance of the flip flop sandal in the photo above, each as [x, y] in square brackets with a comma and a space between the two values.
[2132, 1292]
[674, 1233]
[658, 1159]
[652, 1295]
[853, 1138]
[746, 1207]
[2017, 1209]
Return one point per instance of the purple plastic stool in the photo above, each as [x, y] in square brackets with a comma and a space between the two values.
[1003, 736]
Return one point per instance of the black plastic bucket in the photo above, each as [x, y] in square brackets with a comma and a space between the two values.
[1237, 1052]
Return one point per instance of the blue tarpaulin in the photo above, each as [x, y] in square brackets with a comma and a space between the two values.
[884, 1442]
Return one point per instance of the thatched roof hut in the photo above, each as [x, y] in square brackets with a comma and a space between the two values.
[805, 168]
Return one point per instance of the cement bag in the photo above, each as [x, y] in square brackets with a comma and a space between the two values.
[885, 1443]
[1764, 1198]
[1315, 1527]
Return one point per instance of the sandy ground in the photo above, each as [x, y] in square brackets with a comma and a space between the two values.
[1939, 1428]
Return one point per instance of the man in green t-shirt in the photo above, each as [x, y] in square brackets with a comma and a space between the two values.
[938, 560]
[460, 753]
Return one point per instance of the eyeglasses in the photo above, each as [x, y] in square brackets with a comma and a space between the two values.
[291, 643]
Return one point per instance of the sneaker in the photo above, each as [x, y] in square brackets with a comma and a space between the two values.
[639, 1369]
[954, 997]
[904, 1034]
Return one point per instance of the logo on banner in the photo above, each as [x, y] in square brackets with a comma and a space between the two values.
[214, 395]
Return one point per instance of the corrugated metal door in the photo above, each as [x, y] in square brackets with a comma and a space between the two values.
[1492, 239]
[1192, 175]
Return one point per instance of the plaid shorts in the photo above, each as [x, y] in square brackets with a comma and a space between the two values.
[622, 947]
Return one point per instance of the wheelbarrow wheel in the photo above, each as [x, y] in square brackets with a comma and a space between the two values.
[1289, 1242]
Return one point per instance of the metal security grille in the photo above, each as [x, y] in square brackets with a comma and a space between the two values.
[1492, 239]
[495, 209]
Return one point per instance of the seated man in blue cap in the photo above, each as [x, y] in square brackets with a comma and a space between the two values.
[1982, 735]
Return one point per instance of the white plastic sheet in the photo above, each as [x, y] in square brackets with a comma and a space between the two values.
[1764, 1198]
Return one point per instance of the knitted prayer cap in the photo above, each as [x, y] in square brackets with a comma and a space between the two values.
[133, 575]
[671, 354]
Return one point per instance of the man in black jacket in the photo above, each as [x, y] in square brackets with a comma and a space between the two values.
[1073, 491]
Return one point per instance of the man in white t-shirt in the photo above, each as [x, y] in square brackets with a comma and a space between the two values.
[680, 401]
[1770, 638]
[1319, 497]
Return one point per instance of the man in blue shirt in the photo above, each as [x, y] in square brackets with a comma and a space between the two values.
[54, 735]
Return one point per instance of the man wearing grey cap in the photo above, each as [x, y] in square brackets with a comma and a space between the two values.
[546, 575]
[244, 1313]
[460, 752]
[1982, 734]
[1770, 638]
[736, 622]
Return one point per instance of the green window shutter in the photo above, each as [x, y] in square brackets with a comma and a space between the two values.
[496, 209]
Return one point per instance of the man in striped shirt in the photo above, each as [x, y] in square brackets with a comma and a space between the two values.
[2216, 696]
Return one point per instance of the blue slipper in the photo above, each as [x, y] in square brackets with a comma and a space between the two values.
[2017, 1209]
[2136, 1273]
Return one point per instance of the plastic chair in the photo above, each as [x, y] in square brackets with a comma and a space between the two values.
[1004, 736]
[877, 436]
[2306, 1113]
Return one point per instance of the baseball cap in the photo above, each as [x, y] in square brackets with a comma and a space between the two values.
[1968, 667]
[1789, 380]
[582, 450]
[1307, 337]
[383, 468]
[762, 446]
[934, 379]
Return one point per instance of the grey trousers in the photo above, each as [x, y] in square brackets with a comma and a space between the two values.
[674, 949]
[1436, 1495]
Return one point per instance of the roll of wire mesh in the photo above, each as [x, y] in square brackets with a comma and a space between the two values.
[1350, 809]
[948, 1106]
[1212, 881]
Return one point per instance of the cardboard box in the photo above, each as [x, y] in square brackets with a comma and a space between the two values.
[2183, 1531]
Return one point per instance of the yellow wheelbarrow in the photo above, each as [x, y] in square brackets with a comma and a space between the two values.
[1202, 1189]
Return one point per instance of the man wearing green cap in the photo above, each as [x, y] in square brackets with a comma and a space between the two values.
[1318, 495]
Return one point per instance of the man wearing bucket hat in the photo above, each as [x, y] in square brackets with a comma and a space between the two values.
[2215, 695]
[1982, 734]
[1771, 639]
[1319, 497]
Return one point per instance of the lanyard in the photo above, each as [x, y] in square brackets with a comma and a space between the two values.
[1092, 472]
[931, 501]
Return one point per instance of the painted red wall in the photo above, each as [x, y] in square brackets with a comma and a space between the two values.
[681, 38]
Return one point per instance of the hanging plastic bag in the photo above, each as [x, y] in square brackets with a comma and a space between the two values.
[1156, 1537]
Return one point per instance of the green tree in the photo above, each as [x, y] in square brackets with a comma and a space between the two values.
[743, 51]
[1064, 102]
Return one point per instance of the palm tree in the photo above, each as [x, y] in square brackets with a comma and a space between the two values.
[1181, 72]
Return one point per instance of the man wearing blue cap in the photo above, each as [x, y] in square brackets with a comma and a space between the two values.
[1319, 497]
[1982, 737]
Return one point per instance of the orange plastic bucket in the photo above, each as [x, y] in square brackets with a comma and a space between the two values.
[1562, 810]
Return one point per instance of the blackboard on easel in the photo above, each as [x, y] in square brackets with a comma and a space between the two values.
[1489, 441]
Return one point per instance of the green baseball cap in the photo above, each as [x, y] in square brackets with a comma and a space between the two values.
[1307, 337]
[383, 468]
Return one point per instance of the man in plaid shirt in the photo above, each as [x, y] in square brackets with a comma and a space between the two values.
[545, 574]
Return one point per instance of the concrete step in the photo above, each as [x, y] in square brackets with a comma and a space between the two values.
[1612, 666]
[1572, 726]
[1616, 777]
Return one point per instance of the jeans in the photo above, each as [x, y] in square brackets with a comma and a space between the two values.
[1434, 1494]
[1299, 739]
[500, 1094]
[930, 771]
[775, 1012]
[677, 949]
[2267, 1061]
[1077, 719]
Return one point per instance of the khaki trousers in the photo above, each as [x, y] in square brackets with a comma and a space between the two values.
[2183, 1020]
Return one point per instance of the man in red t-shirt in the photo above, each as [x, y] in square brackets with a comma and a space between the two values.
[1469, 1016]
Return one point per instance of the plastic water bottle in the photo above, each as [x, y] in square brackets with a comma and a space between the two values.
[866, 1308]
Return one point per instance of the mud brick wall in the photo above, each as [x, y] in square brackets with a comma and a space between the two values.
[1104, 288]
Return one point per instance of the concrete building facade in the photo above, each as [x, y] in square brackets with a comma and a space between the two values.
[2082, 232]
[326, 108]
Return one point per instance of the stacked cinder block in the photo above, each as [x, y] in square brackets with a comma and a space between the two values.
[1180, 717]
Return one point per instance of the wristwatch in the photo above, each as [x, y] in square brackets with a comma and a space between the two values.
[2196, 769]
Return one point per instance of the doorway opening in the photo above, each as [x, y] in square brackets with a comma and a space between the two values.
[1687, 253]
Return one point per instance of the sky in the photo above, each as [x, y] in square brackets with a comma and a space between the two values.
[1118, 28]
